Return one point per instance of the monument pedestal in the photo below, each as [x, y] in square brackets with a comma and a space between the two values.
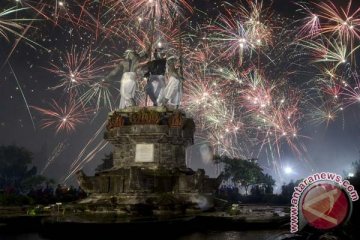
[149, 164]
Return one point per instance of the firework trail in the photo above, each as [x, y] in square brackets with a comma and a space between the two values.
[12, 26]
[60, 148]
[81, 160]
[17, 28]
[88, 158]
[23, 95]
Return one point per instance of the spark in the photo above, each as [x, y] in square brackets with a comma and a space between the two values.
[64, 118]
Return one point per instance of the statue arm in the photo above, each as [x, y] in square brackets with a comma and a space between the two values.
[117, 71]
[146, 69]
[180, 75]
[143, 56]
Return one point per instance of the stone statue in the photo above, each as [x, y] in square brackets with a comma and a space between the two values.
[128, 85]
[174, 89]
[156, 76]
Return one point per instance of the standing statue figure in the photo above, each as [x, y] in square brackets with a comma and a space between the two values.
[128, 85]
[174, 89]
[156, 77]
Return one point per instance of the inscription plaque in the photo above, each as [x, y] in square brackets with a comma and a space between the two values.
[144, 153]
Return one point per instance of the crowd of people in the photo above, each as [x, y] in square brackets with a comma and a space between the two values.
[59, 194]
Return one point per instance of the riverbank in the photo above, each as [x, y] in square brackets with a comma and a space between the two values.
[57, 222]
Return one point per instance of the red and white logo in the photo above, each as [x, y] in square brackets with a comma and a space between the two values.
[325, 206]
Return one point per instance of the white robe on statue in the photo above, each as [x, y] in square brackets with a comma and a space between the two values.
[173, 91]
[127, 90]
[158, 85]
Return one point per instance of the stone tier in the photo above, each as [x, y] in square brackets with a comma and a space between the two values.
[137, 180]
[150, 137]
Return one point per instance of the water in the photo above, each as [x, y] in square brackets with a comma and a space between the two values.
[27, 236]
[232, 235]
[210, 235]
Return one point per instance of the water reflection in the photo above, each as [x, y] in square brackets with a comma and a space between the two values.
[233, 235]
[211, 235]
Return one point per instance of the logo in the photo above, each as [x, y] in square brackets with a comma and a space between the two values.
[325, 206]
[323, 201]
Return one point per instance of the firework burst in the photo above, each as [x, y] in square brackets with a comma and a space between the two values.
[343, 21]
[63, 118]
[330, 50]
[12, 26]
[159, 10]
[351, 91]
[77, 70]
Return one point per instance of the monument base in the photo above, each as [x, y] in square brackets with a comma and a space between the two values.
[150, 191]
[149, 170]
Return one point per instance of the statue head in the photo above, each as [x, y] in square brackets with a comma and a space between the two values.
[130, 54]
[159, 53]
[172, 62]
[172, 59]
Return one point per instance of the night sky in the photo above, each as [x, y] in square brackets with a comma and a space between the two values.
[26, 82]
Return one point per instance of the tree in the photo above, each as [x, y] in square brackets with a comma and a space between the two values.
[243, 172]
[269, 183]
[16, 171]
[287, 190]
[108, 162]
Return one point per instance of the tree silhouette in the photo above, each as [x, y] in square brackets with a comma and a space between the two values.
[243, 172]
[15, 170]
[269, 183]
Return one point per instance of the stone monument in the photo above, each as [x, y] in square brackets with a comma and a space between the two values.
[149, 169]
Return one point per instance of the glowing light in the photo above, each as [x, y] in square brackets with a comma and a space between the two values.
[288, 170]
